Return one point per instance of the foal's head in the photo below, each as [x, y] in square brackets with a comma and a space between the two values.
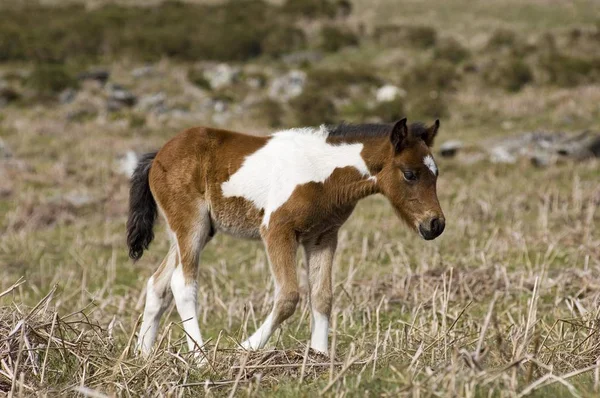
[408, 177]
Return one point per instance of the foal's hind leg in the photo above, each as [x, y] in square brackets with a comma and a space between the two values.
[281, 248]
[191, 233]
[158, 298]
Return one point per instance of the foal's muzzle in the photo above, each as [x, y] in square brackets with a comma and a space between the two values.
[432, 228]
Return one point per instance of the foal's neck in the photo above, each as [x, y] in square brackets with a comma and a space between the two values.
[355, 186]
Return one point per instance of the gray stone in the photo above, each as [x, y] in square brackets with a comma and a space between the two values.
[450, 148]
[501, 154]
[127, 163]
[288, 86]
[67, 95]
[119, 98]
[389, 93]
[153, 102]
[143, 71]
[221, 75]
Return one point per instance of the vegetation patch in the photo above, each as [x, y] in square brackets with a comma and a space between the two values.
[511, 74]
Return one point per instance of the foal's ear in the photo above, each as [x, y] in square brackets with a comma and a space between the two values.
[399, 134]
[432, 132]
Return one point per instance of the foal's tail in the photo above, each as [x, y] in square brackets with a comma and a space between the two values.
[142, 209]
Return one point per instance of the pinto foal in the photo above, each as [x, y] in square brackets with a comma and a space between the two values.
[294, 188]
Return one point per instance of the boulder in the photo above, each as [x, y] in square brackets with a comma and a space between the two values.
[127, 163]
[119, 98]
[67, 96]
[389, 93]
[154, 102]
[288, 86]
[221, 75]
[449, 148]
[143, 71]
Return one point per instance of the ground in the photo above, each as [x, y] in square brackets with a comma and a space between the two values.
[503, 304]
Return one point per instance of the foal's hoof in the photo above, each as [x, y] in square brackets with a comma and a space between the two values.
[248, 346]
[199, 359]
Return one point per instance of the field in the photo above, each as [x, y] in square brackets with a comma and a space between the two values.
[504, 304]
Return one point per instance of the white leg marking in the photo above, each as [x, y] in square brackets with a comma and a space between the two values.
[152, 313]
[185, 294]
[319, 334]
[430, 163]
[261, 336]
[158, 299]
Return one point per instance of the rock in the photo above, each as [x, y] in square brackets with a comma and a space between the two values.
[220, 106]
[78, 200]
[154, 102]
[67, 95]
[126, 164]
[221, 75]
[449, 148]
[389, 93]
[143, 71]
[288, 86]
[119, 98]
[99, 75]
[500, 154]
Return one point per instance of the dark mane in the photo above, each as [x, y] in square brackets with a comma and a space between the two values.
[416, 130]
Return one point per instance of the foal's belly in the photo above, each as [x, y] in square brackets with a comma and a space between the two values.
[237, 217]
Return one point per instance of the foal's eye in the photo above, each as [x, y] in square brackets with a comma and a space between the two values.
[410, 176]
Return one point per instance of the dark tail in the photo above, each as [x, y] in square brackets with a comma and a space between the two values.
[142, 209]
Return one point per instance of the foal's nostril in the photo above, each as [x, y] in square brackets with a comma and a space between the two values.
[434, 225]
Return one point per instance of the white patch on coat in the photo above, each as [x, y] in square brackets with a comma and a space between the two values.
[290, 158]
[429, 162]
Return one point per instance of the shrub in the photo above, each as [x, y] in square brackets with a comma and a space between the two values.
[512, 74]
[232, 31]
[333, 38]
[390, 111]
[313, 109]
[310, 8]
[270, 112]
[437, 75]
[196, 76]
[428, 107]
[336, 82]
[282, 40]
[50, 79]
[418, 36]
[452, 50]
[502, 38]
[567, 71]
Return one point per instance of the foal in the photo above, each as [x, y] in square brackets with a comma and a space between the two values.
[292, 189]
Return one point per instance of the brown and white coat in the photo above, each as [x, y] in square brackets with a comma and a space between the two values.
[292, 189]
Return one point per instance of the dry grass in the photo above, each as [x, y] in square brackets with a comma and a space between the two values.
[503, 304]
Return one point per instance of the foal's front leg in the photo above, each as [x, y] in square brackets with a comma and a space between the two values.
[319, 258]
[281, 246]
